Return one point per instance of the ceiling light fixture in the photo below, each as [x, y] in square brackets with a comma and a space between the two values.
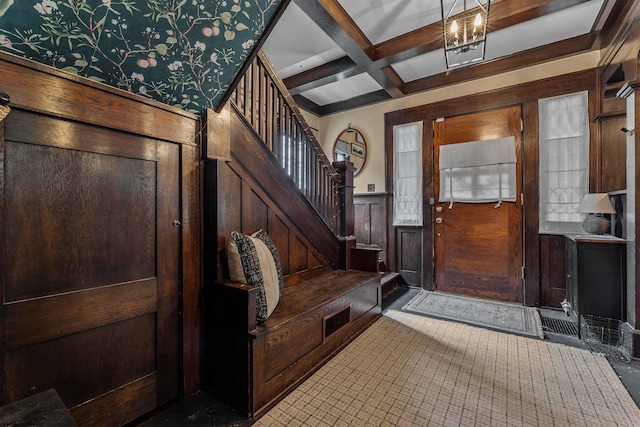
[465, 31]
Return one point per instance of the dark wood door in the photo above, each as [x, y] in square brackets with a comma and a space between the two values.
[90, 268]
[478, 248]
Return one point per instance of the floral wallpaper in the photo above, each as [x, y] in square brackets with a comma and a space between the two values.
[183, 53]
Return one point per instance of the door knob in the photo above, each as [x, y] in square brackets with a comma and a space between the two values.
[438, 220]
[438, 208]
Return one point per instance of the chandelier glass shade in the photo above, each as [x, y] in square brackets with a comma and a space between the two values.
[465, 30]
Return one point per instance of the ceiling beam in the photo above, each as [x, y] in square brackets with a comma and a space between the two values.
[336, 107]
[338, 25]
[341, 67]
[502, 14]
[337, 12]
[505, 13]
[333, 29]
[527, 58]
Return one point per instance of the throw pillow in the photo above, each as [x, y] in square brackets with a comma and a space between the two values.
[254, 260]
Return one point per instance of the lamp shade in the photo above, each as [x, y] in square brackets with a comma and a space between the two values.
[596, 203]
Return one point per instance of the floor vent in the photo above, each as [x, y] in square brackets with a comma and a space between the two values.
[337, 320]
[559, 326]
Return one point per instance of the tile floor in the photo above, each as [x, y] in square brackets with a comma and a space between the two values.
[448, 374]
[410, 370]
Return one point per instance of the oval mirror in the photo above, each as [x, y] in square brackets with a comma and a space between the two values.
[351, 146]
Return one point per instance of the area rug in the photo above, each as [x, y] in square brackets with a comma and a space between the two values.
[503, 317]
[412, 370]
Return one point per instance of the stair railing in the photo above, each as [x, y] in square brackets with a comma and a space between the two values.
[267, 106]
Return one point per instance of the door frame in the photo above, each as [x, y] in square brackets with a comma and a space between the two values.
[526, 95]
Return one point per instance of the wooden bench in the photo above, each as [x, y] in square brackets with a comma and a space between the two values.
[251, 366]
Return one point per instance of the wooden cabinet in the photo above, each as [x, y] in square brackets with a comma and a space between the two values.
[596, 275]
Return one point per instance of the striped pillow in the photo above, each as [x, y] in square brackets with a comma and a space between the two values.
[254, 260]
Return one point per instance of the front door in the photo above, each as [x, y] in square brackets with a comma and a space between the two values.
[478, 246]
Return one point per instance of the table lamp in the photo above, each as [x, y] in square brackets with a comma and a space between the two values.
[596, 204]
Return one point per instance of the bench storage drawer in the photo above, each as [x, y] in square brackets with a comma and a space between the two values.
[285, 345]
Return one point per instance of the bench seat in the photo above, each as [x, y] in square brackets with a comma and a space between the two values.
[311, 294]
[256, 364]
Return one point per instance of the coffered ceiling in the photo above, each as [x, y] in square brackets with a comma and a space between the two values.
[335, 55]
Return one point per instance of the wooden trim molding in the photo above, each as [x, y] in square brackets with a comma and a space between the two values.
[42, 89]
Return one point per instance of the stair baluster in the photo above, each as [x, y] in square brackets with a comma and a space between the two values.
[268, 107]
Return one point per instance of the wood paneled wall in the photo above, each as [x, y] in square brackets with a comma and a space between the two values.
[249, 192]
[409, 252]
[614, 154]
[100, 188]
[370, 216]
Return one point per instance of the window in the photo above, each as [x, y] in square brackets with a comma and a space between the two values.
[407, 175]
[564, 161]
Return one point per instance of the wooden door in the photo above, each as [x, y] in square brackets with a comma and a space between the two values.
[478, 247]
[90, 268]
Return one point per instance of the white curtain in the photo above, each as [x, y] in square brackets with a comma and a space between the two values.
[478, 171]
[407, 174]
[564, 161]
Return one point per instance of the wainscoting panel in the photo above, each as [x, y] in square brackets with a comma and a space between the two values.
[370, 211]
[409, 251]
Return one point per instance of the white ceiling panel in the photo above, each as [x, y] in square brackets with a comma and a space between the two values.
[381, 20]
[342, 89]
[551, 28]
[297, 44]
[421, 66]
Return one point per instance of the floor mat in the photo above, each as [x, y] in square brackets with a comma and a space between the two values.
[489, 314]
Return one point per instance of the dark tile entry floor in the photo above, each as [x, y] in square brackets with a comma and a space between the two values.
[203, 409]
[198, 410]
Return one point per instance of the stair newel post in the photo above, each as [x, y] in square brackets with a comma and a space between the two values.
[345, 215]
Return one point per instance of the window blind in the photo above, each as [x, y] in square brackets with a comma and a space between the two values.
[407, 174]
[564, 161]
[478, 171]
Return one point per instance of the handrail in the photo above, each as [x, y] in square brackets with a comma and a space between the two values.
[268, 107]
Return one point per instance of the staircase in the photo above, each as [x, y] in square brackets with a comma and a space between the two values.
[264, 169]
[267, 106]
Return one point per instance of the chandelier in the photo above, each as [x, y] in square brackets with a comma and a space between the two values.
[465, 31]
